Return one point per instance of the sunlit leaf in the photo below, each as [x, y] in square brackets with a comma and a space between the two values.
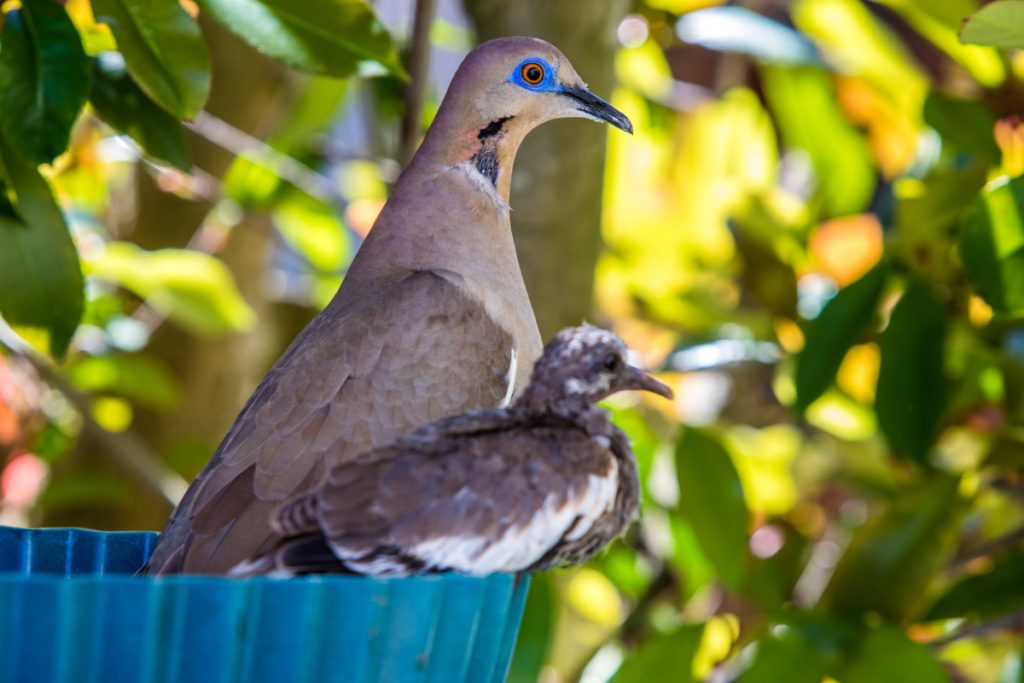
[839, 326]
[912, 388]
[804, 103]
[140, 378]
[985, 595]
[1000, 24]
[886, 655]
[122, 104]
[939, 23]
[44, 77]
[594, 597]
[992, 245]
[888, 563]
[194, 289]
[163, 51]
[711, 497]
[313, 229]
[663, 657]
[251, 182]
[854, 41]
[40, 277]
[321, 36]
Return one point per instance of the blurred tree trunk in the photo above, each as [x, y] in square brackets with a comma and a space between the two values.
[216, 375]
[556, 186]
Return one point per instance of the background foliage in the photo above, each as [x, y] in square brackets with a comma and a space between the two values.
[817, 233]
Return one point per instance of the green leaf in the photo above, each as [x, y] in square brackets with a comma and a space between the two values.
[40, 277]
[984, 596]
[663, 657]
[992, 245]
[839, 326]
[140, 378]
[886, 655]
[534, 633]
[711, 497]
[193, 289]
[888, 564]
[320, 36]
[912, 387]
[802, 649]
[963, 123]
[163, 51]
[122, 105]
[805, 106]
[44, 77]
[313, 229]
[1000, 24]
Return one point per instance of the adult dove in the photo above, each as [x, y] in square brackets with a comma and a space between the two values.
[432, 319]
[546, 482]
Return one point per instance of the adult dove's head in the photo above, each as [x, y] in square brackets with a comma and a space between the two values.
[505, 88]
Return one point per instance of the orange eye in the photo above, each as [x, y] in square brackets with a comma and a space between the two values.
[532, 73]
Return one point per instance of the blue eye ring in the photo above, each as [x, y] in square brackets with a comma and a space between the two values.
[533, 73]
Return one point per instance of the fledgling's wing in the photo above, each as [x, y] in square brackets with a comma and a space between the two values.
[491, 499]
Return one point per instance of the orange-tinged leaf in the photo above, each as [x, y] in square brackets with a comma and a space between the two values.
[847, 248]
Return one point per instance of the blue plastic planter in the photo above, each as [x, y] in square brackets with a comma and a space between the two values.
[73, 613]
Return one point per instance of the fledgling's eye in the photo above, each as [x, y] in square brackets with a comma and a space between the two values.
[532, 73]
[612, 362]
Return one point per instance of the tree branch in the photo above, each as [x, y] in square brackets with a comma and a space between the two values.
[419, 60]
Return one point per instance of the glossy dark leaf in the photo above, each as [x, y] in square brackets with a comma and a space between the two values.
[886, 655]
[44, 77]
[163, 51]
[990, 594]
[663, 658]
[41, 283]
[321, 36]
[711, 498]
[801, 649]
[912, 387]
[1000, 24]
[839, 326]
[534, 632]
[992, 245]
[963, 123]
[888, 563]
[122, 104]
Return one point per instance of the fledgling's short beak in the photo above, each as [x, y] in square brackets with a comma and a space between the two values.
[593, 105]
[636, 379]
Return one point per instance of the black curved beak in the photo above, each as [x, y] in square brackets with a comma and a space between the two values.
[593, 105]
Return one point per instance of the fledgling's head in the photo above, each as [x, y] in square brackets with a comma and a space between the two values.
[583, 365]
[506, 87]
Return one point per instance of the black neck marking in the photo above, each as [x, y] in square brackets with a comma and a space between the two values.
[486, 158]
[492, 128]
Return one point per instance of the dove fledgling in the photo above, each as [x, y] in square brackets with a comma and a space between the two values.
[546, 482]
